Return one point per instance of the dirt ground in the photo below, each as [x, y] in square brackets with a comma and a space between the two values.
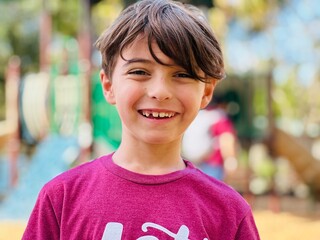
[286, 218]
[283, 226]
[291, 218]
[11, 230]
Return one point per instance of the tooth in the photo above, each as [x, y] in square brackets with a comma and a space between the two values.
[167, 115]
[162, 114]
[155, 114]
[144, 113]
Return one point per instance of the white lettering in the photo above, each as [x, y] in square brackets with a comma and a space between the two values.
[182, 234]
[112, 231]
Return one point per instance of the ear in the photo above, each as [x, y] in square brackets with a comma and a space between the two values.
[107, 88]
[208, 92]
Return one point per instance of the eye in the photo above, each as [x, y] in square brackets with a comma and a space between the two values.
[183, 75]
[138, 72]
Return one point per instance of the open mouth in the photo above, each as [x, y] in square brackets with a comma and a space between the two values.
[156, 115]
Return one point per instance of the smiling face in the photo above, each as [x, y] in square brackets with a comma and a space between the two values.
[156, 102]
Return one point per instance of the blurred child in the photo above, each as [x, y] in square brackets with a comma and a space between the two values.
[211, 140]
[223, 157]
[160, 63]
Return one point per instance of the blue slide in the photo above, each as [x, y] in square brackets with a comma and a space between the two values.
[52, 156]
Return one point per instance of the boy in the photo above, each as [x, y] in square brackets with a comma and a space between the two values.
[160, 64]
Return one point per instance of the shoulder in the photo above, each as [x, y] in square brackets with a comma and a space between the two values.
[77, 177]
[213, 192]
[220, 203]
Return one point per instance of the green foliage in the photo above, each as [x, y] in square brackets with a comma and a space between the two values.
[19, 35]
[65, 16]
[103, 14]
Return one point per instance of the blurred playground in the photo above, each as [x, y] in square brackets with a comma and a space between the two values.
[54, 117]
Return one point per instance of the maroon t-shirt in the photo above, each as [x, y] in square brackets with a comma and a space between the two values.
[100, 200]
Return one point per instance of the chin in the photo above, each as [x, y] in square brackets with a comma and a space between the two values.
[159, 140]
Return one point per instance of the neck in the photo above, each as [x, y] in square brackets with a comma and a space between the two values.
[150, 159]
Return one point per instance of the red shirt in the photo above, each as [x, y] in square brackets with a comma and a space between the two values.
[221, 126]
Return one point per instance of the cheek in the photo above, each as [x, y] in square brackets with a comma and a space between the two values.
[192, 98]
[191, 104]
[127, 97]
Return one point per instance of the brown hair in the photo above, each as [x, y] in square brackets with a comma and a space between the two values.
[180, 31]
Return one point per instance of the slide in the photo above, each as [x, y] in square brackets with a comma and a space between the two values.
[52, 156]
[306, 166]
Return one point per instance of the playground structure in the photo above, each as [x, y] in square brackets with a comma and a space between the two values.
[306, 166]
[8, 128]
[45, 112]
[55, 119]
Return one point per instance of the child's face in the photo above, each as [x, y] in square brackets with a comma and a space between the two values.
[156, 103]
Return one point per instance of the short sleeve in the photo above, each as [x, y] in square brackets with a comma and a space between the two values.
[42, 223]
[247, 229]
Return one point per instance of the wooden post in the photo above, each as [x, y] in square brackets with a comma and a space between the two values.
[85, 52]
[44, 37]
[12, 115]
[274, 199]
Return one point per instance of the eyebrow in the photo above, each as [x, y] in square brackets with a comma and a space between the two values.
[136, 60]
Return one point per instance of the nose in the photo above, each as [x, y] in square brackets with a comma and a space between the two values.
[160, 89]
